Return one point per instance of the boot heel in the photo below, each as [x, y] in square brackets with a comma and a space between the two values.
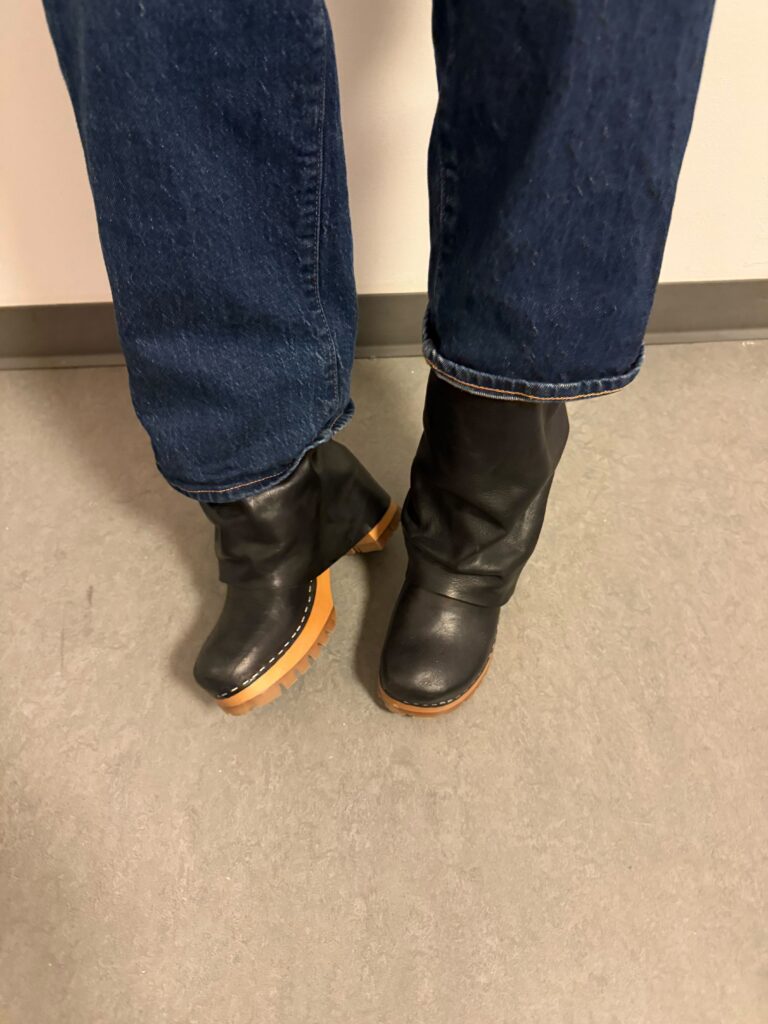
[377, 538]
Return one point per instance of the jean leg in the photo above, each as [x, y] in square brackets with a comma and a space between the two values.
[554, 158]
[213, 144]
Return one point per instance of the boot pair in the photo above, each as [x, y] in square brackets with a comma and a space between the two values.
[479, 487]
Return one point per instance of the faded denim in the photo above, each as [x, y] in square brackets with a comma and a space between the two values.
[213, 144]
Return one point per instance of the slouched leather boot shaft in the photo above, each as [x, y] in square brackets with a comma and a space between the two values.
[479, 487]
[274, 552]
[301, 526]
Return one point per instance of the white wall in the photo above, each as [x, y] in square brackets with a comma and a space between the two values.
[48, 245]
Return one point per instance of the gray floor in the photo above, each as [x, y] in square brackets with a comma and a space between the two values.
[585, 841]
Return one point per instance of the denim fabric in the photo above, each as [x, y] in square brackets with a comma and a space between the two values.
[213, 144]
[552, 169]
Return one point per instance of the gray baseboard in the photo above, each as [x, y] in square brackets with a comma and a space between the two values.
[84, 334]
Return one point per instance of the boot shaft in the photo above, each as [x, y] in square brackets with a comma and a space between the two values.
[479, 488]
[295, 530]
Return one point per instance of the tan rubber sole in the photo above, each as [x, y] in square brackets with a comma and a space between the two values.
[397, 707]
[315, 634]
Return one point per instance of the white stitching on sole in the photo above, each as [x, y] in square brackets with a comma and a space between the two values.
[286, 645]
[441, 703]
[436, 704]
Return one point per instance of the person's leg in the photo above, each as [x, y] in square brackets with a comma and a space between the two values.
[213, 144]
[554, 159]
[553, 162]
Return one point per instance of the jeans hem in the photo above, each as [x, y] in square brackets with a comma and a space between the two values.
[255, 483]
[491, 385]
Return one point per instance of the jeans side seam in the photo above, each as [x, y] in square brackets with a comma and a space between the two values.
[318, 214]
[442, 118]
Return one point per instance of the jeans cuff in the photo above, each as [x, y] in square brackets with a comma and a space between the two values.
[491, 385]
[253, 483]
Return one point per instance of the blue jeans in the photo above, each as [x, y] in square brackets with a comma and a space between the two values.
[213, 143]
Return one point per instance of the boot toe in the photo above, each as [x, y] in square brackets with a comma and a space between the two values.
[250, 636]
[436, 650]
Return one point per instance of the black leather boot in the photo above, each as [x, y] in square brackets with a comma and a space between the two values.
[274, 552]
[479, 488]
